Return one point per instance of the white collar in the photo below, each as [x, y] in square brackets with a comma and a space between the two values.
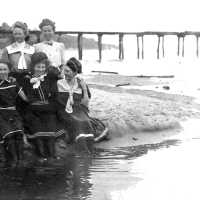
[23, 46]
[20, 44]
[49, 42]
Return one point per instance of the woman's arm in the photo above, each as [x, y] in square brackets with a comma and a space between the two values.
[4, 54]
[85, 99]
[62, 52]
[22, 95]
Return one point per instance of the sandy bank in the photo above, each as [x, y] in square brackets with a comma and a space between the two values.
[134, 113]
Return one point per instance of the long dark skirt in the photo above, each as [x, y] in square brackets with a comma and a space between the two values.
[42, 123]
[10, 124]
[76, 123]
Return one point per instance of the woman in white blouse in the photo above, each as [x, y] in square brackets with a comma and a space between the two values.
[54, 50]
[19, 52]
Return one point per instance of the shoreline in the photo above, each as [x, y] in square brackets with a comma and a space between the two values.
[156, 115]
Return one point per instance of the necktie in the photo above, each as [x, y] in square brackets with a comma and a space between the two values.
[22, 61]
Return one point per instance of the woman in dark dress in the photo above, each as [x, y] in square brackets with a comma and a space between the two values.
[73, 102]
[11, 127]
[100, 129]
[40, 117]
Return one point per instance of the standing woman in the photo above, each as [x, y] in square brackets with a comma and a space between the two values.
[19, 53]
[40, 89]
[53, 50]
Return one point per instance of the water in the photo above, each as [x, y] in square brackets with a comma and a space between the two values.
[78, 177]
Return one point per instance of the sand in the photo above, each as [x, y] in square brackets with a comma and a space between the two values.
[134, 113]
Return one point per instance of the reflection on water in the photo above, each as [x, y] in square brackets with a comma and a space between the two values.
[77, 177]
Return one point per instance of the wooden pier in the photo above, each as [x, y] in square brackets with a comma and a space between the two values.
[139, 37]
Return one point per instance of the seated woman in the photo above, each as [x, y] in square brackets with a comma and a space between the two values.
[100, 130]
[73, 102]
[40, 117]
[11, 128]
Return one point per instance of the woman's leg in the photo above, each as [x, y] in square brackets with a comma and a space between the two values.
[40, 147]
[19, 146]
[51, 146]
[11, 146]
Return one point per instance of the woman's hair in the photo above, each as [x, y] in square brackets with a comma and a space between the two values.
[38, 57]
[72, 66]
[77, 63]
[47, 22]
[22, 26]
[6, 62]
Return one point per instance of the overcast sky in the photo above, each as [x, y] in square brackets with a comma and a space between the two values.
[105, 15]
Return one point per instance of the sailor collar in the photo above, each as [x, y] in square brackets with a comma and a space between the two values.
[3, 81]
[14, 48]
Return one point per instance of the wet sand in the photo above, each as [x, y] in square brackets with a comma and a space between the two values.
[138, 116]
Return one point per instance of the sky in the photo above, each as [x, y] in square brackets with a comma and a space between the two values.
[105, 15]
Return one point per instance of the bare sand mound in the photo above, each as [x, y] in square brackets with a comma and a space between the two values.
[131, 111]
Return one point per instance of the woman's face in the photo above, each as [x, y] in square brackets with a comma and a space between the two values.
[40, 69]
[48, 32]
[18, 35]
[4, 70]
[69, 74]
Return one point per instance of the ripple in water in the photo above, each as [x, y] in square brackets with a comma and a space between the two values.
[77, 177]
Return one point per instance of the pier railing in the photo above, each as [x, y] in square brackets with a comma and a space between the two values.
[139, 36]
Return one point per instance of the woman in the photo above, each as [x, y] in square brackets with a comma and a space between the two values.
[19, 53]
[100, 130]
[11, 128]
[73, 102]
[54, 50]
[40, 117]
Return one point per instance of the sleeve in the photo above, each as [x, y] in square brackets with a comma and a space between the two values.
[53, 89]
[62, 52]
[53, 73]
[87, 88]
[26, 84]
[88, 91]
[4, 54]
[20, 92]
[36, 47]
[18, 88]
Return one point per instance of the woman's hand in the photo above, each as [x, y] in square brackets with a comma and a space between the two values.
[83, 85]
[85, 99]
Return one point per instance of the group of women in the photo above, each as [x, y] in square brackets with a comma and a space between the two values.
[42, 97]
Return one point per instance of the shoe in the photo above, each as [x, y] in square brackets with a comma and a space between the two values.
[102, 136]
[82, 143]
[90, 142]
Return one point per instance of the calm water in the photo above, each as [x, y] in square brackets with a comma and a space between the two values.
[101, 176]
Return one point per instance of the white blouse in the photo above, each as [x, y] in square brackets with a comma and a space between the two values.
[54, 51]
[23, 48]
[63, 86]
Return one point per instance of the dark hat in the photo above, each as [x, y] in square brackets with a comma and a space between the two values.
[7, 62]
[38, 57]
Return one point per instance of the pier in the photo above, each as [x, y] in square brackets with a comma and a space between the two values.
[139, 37]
